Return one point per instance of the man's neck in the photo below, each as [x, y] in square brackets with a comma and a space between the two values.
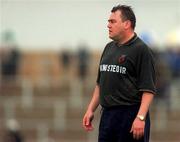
[126, 37]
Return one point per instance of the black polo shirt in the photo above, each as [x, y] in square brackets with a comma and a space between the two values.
[125, 72]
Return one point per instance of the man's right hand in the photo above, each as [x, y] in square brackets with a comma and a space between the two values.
[87, 120]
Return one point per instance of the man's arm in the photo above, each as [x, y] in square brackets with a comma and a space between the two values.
[89, 115]
[138, 125]
[147, 98]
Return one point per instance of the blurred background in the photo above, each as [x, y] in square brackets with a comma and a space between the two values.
[49, 55]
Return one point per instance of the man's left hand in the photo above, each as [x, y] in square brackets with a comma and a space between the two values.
[137, 129]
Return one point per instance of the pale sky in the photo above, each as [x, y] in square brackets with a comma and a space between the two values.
[53, 23]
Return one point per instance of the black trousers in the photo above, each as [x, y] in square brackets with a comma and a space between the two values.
[116, 122]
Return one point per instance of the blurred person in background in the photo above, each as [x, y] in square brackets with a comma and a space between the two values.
[125, 83]
[83, 61]
[162, 105]
[173, 58]
[13, 133]
[65, 64]
[163, 83]
[65, 57]
[10, 63]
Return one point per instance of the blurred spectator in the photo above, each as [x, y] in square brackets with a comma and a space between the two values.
[10, 62]
[163, 79]
[174, 62]
[176, 72]
[13, 133]
[83, 61]
[65, 58]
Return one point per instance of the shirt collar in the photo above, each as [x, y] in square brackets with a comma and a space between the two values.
[129, 41]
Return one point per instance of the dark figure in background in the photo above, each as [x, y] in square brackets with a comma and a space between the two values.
[65, 58]
[13, 136]
[13, 133]
[10, 63]
[178, 62]
[173, 58]
[164, 77]
[83, 62]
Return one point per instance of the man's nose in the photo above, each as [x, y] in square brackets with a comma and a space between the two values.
[109, 25]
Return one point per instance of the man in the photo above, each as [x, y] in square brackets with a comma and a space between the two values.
[125, 83]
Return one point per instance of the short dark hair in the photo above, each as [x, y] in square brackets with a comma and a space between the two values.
[127, 14]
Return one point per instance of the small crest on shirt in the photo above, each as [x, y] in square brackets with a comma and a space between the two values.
[122, 59]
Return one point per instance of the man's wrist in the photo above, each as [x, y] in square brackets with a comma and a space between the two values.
[90, 110]
[141, 117]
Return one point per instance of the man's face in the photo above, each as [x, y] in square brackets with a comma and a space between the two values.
[116, 26]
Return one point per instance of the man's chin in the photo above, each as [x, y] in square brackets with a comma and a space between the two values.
[111, 37]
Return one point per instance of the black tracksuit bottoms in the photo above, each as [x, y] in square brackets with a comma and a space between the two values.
[116, 122]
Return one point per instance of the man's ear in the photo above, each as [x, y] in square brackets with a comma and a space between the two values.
[127, 24]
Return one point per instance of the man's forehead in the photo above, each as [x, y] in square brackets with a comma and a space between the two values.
[115, 15]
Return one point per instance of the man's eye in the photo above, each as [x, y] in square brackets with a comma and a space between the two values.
[112, 21]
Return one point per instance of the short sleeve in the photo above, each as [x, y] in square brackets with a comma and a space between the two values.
[98, 77]
[99, 73]
[146, 74]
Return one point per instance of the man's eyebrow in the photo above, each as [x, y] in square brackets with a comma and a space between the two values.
[111, 20]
